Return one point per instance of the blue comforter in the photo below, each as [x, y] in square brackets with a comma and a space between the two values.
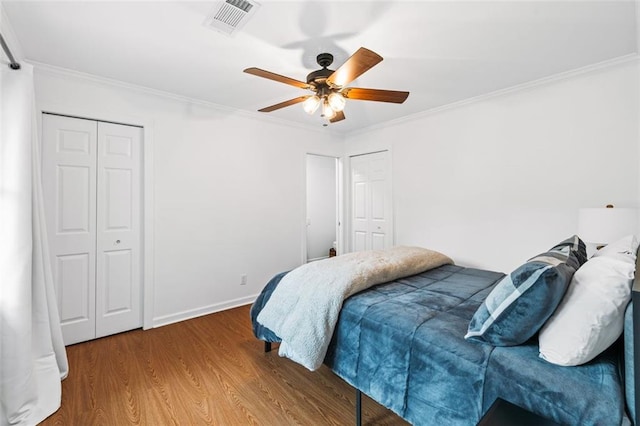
[402, 344]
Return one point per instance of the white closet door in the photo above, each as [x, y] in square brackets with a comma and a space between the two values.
[371, 221]
[92, 180]
[118, 298]
[69, 182]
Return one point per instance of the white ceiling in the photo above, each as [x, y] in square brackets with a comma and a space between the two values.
[440, 51]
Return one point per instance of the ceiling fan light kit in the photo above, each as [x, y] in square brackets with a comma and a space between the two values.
[329, 85]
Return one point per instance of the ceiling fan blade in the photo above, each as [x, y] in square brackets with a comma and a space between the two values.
[277, 77]
[360, 62]
[284, 104]
[338, 117]
[378, 95]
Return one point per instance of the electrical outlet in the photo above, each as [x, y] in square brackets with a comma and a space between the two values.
[243, 279]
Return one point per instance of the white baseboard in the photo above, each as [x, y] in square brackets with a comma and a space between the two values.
[205, 310]
[317, 258]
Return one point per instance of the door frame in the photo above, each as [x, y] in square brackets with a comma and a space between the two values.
[92, 113]
[349, 196]
[339, 204]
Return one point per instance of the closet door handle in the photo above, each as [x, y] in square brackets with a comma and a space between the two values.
[117, 241]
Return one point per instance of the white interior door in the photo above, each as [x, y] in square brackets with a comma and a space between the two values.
[69, 183]
[118, 301]
[92, 180]
[371, 221]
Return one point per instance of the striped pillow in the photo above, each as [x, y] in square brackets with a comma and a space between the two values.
[519, 305]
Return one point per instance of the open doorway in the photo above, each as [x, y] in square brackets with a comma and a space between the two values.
[322, 206]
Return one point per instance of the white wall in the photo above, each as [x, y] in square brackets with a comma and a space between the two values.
[490, 183]
[321, 205]
[494, 182]
[228, 191]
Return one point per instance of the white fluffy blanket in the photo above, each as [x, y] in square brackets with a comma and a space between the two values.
[304, 308]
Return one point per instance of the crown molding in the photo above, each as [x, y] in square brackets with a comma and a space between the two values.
[52, 69]
[105, 81]
[589, 69]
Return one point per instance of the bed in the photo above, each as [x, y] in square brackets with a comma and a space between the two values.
[402, 343]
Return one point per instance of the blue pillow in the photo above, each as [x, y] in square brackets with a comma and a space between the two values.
[521, 302]
[576, 245]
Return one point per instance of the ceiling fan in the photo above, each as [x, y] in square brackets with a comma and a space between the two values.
[329, 85]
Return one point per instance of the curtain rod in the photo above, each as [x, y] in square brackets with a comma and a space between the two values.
[12, 62]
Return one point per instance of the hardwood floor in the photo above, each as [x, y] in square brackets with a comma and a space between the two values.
[205, 371]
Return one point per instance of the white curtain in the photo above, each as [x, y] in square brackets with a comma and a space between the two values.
[32, 355]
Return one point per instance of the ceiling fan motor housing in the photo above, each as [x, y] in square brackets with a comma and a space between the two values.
[318, 78]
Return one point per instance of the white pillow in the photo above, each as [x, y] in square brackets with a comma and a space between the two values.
[623, 249]
[591, 315]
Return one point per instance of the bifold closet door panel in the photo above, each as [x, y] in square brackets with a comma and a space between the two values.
[92, 186]
[118, 287]
[69, 182]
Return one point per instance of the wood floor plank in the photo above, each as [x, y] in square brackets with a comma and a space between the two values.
[206, 371]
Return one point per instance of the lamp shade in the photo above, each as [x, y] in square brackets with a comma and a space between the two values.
[311, 104]
[336, 101]
[327, 111]
[605, 225]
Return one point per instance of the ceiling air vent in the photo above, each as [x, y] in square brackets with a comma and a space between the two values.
[231, 15]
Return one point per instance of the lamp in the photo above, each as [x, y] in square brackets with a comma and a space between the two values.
[601, 226]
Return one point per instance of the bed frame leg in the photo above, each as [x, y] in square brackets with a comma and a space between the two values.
[358, 407]
[267, 346]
